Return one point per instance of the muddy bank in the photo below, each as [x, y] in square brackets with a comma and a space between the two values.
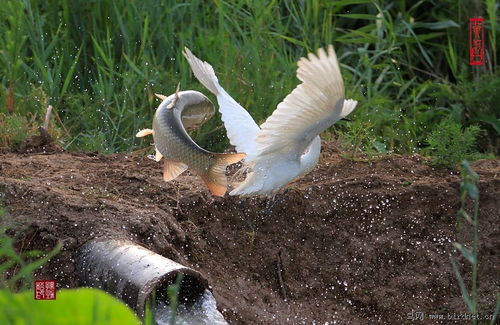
[356, 242]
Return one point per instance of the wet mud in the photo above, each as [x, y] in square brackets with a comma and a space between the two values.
[353, 242]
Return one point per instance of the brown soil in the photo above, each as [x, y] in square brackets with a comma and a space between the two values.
[358, 242]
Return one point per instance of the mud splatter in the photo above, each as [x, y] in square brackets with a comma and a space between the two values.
[356, 242]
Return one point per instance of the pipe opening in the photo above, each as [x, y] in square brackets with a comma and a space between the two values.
[190, 289]
[190, 308]
[135, 274]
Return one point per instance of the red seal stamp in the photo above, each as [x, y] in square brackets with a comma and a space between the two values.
[476, 41]
[45, 289]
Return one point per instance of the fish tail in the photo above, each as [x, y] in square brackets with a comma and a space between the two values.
[215, 178]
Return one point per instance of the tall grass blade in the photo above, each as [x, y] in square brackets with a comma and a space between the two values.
[461, 284]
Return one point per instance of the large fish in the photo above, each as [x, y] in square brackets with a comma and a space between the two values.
[176, 113]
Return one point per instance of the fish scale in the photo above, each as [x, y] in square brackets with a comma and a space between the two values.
[172, 140]
[188, 109]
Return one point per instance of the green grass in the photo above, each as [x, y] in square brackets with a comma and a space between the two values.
[449, 144]
[469, 190]
[77, 306]
[100, 62]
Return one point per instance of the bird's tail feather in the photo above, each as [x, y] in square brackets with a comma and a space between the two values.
[253, 183]
[248, 186]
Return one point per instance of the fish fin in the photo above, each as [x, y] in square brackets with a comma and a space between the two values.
[162, 97]
[177, 91]
[229, 158]
[172, 169]
[143, 133]
[215, 186]
[158, 155]
[215, 179]
[176, 98]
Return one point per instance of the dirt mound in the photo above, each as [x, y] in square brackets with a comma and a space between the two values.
[355, 242]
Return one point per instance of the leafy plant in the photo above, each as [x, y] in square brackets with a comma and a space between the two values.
[173, 297]
[30, 113]
[15, 129]
[26, 263]
[76, 306]
[449, 143]
[468, 188]
[359, 141]
[2, 210]
[79, 306]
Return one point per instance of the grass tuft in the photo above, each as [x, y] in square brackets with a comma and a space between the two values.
[100, 62]
[449, 144]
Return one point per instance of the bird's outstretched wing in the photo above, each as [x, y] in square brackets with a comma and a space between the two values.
[312, 107]
[240, 126]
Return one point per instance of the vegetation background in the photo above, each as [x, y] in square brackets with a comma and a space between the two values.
[99, 62]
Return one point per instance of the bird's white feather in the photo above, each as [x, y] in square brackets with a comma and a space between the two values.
[349, 106]
[203, 71]
[267, 176]
[240, 126]
[287, 145]
[312, 107]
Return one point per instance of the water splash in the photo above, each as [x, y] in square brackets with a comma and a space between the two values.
[202, 312]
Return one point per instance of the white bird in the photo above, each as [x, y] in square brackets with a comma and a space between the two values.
[287, 145]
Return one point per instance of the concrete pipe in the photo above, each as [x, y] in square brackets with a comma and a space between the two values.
[132, 273]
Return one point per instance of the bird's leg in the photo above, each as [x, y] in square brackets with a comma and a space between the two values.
[250, 229]
[248, 219]
[271, 203]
